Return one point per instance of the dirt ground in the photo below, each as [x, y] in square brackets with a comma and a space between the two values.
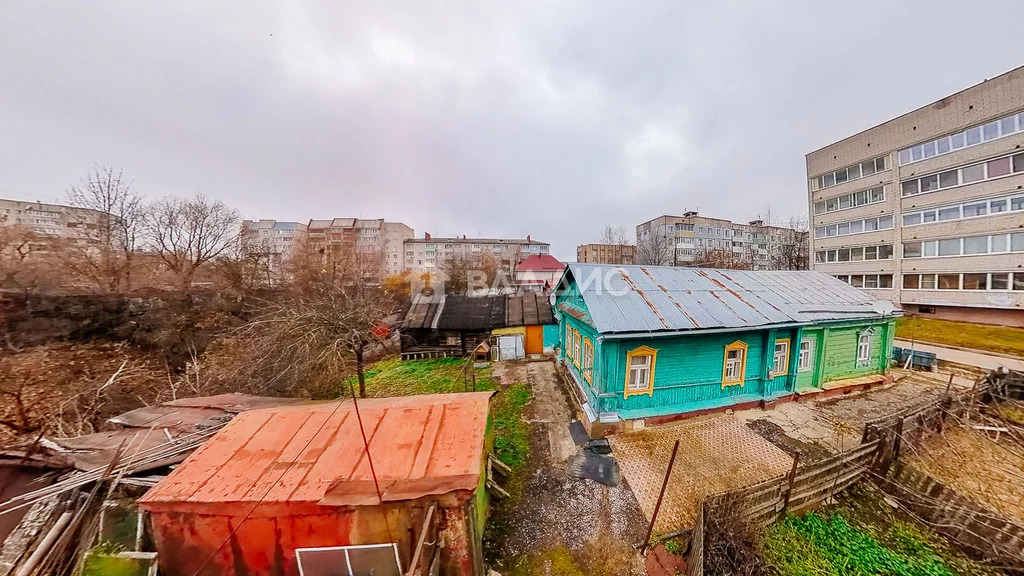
[564, 525]
[977, 466]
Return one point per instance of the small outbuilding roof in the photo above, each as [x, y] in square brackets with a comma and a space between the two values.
[477, 313]
[472, 313]
[529, 309]
[314, 453]
[663, 298]
[540, 263]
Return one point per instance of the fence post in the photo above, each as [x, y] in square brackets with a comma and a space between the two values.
[896, 442]
[664, 484]
[945, 405]
[792, 478]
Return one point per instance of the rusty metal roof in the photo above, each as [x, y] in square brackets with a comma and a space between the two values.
[663, 298]
[314, 453]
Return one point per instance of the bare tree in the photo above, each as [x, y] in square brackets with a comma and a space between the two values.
[186, 234]
[107, 234]
[461, 271]
[794, 249]
[27, 261]
[611, 235]
[655, 248]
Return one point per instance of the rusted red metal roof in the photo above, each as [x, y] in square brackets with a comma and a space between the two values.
[314, 453]
[540, 262]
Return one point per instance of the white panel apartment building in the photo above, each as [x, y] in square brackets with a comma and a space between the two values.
[367, 236]
[428, 252]
[49, 219]
[927, 209]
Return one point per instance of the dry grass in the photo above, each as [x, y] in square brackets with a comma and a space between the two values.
[1002, 339]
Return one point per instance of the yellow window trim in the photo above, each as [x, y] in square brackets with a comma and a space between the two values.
[641, 351]
[576, 343]
[737, 345]
[785, 367]
[588, 371]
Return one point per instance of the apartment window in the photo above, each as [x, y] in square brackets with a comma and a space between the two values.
[864, 347]
[928, 282]
[999, 281]
[804, 362]
[853, 200]
[999, 167]
[780, 358]
[854, 227]
[911, 281]
[853, 172]
[975, 245]
[949, 282]
[974, 282]
[867, 280]
[734, 365]
[640, 371]
[991, 244]
[996, 168]
[970, 137]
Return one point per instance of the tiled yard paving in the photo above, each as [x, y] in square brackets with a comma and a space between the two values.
[716, 454]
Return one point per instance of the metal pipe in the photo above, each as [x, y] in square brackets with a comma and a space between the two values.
[44, 547]
[661, 496]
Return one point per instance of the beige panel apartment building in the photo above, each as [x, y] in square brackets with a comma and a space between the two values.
[927, 209]
[428, 252]
[54, 220]
[606, 254]
[694, 240]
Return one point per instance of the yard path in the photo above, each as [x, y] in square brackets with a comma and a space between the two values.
[598, 525]
[978, 358]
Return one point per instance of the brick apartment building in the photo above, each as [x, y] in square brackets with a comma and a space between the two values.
[624, 254]
[927, 209]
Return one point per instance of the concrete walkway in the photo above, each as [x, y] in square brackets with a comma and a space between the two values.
[963, 356]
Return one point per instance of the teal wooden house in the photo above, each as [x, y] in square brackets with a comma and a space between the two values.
[652, 343]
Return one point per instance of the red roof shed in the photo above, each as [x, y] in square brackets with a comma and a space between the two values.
[285, 485]
[541, 263]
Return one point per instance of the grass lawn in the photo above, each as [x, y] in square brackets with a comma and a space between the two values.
[978, 336]
[394, 377]
[861, 535]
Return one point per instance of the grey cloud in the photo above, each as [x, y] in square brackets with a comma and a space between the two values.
[550, 119]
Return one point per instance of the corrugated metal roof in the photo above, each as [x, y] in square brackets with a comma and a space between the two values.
[660, 298]
[529, 309]
[540, 262]
[478, 313]
[420, 445]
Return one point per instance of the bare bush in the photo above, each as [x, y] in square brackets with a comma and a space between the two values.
[731, 545]
[27, 260]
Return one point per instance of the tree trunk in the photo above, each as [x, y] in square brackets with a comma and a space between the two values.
[359, 370]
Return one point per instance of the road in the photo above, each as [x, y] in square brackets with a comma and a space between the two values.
[963, 356]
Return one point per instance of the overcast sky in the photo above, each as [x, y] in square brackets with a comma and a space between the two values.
[465, 117]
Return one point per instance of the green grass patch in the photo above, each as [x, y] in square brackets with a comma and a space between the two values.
[1002, 339]
[554, 561]
[394, 377]
[837, 542]
[511, 431]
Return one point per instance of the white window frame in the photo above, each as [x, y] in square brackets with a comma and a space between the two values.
[644, 369]
[864, 346]
[1018, 121]
[853, 201]
[734, 366]
[803, 363]
[348, 561]
[780, 361]
[988, 203]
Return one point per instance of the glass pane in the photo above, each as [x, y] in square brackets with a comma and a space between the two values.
[856, 227]
[1017, 242]
[844, 255]
[857, 281]
[975, 209]
[909, 187]
[929, 183]
[877, 194]
[871, 224]
[819, 232]
[949, 213]
[819, 207]
[829, 180]
[942, 145]
[819, 256]
[867, 168]
[911, 219]
[997, 206]
[947, 179]
[974, 136]
[853, 172]
[1000, 281]
[831, 255]
[931, 247]
[1000, 167]
[845, 202]
[1018, 163]
[911, 281]
[870, 281]
[972, 173]
[975, 282]
[1008, 125]
[916, 153]
[831, 204]
[928, 281]
[1018, 281]
[976, 245]
[949, 281]
[840, 176]
[904, 156]
[949, 247]
[990, 131]
[885, 222]
[958, 140]
[871, 253]
[929, 216]
[1017, 203]
[884, 252]
[911, 249]
[844, 228]
[860, 198]
[929, 149]
[856, 254]
[885, 281]
[880, 164]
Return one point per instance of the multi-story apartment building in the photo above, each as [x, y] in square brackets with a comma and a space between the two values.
[50, 219]
[694, 240]
[428, 252]
[606, 254]
[927, 209]
[378, 244]
[272, 241]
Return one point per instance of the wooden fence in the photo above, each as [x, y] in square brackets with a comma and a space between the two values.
[966, 522]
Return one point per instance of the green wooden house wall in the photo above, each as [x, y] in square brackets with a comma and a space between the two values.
[688, 368]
